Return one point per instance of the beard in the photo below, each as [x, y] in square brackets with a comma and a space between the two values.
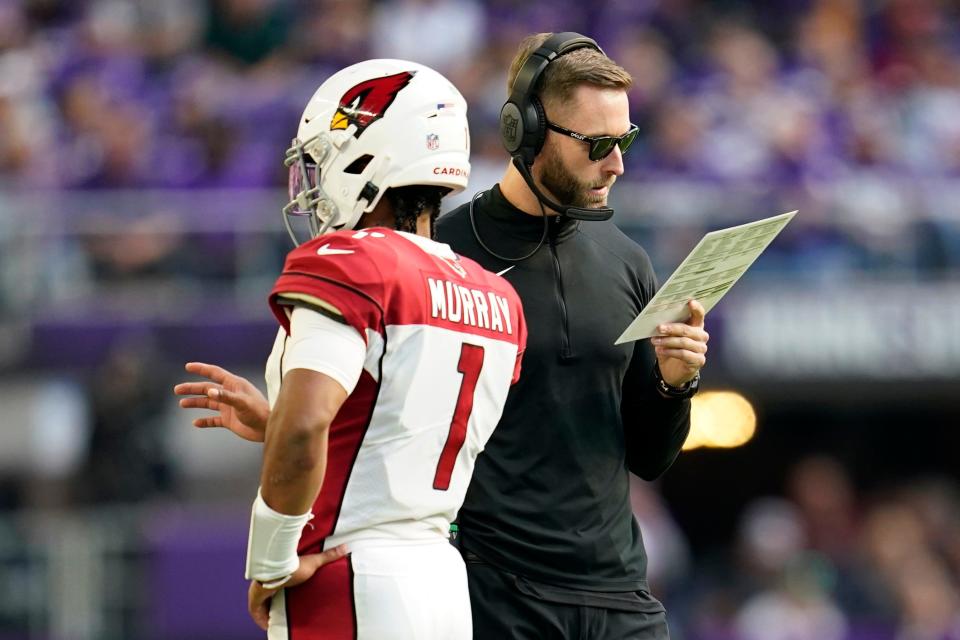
[567, 188]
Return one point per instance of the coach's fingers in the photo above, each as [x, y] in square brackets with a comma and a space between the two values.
[681, 330]
[669, 342]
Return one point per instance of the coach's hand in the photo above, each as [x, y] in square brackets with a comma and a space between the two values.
[240, 406]
[682, 347]
[258, 597]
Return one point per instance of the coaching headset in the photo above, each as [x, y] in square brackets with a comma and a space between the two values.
[523, 123]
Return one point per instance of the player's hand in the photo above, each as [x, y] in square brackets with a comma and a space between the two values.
[240, 406]
[258, 597]
[682, 347]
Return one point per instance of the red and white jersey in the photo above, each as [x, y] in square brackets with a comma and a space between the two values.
[444, 339]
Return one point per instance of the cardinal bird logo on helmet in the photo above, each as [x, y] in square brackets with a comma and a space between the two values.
[366, 102]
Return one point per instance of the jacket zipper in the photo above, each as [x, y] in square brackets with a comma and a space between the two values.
[565, 351]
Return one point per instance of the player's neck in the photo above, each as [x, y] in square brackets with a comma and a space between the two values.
[382, 216]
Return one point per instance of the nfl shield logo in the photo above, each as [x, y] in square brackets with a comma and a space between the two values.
[433, 141]
[508, 128]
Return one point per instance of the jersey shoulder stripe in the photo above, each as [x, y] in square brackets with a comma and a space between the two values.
[344, 270]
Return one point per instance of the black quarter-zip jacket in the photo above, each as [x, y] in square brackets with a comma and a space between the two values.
[549, 498]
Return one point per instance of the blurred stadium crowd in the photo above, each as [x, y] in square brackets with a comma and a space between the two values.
[189, 94]
[822, 560]
[843, 109]
[143, 141]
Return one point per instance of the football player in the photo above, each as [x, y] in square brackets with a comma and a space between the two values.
[387, 377]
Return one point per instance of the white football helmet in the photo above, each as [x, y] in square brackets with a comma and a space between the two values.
[373, 126]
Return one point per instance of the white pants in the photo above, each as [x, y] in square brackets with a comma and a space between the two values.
[379, 591]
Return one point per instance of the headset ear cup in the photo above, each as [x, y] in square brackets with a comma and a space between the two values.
[512, 130]
[540, 132]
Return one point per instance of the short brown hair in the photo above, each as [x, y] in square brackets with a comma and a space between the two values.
[569, 71]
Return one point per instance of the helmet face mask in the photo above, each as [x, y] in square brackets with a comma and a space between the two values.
[374, 126]
[306, 198]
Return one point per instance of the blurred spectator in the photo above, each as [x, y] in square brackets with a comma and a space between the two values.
[122, 251]
[442, 34]
[127, 457]
[936, 502]
[332, 34]
[823, 493]
[668, 551]
[771, 533]
[826, 500]
[911, 539]
[247, 31]
[929, 600]
[799, 607]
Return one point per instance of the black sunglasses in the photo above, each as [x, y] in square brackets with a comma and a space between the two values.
[601, 146]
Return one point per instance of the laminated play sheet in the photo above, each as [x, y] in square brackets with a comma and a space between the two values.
[711, 269]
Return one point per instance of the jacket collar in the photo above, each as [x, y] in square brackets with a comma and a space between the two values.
[514, 222]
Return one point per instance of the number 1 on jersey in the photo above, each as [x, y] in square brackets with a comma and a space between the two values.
[471, 362]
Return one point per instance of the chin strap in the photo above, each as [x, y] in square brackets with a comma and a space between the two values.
[577, 213]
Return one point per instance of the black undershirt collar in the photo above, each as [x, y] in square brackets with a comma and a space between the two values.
[519, 224]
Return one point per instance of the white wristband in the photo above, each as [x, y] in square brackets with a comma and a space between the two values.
[272, 545]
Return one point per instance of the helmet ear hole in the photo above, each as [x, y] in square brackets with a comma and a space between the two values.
[357, 166]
